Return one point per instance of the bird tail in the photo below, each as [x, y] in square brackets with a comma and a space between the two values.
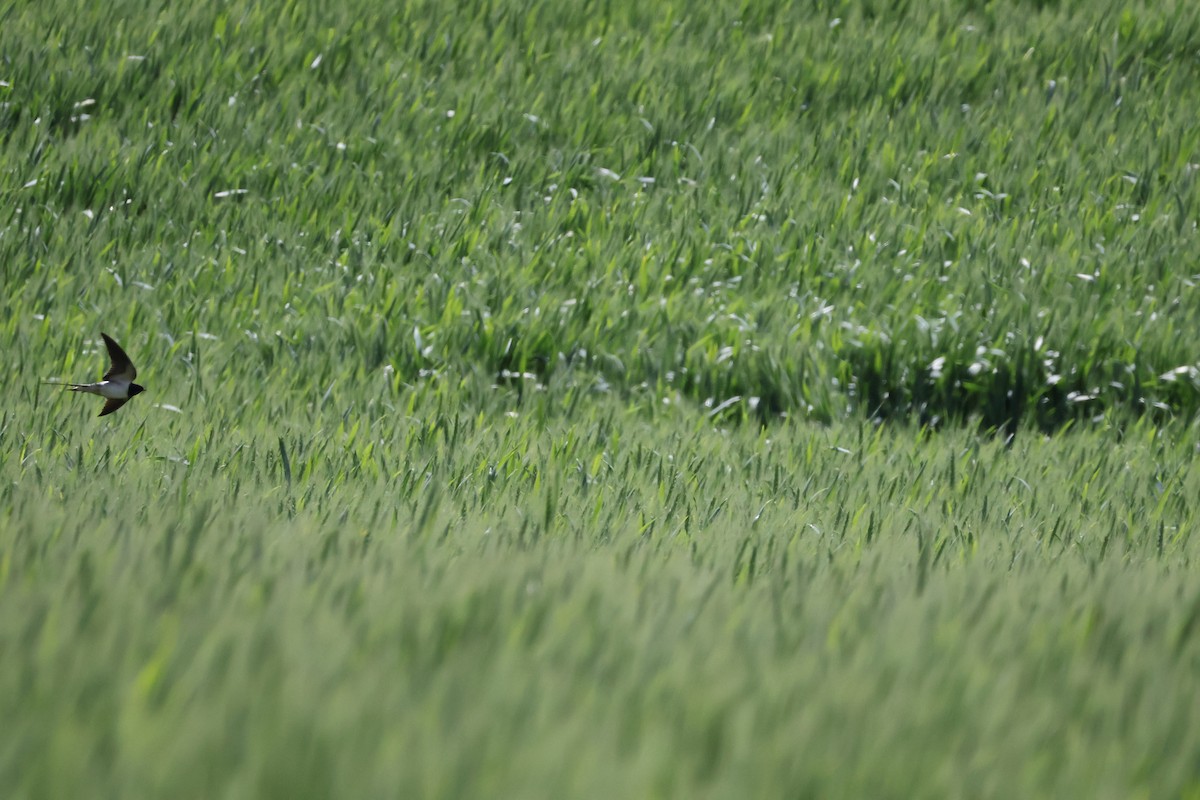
[74, 387]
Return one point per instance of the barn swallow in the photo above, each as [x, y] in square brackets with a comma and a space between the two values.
[117, 386]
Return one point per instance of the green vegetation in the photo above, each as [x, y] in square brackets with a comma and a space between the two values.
[601, 399]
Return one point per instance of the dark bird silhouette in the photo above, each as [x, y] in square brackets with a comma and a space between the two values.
[117, 386]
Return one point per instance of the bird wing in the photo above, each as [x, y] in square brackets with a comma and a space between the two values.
[122, 368]
[112, 404]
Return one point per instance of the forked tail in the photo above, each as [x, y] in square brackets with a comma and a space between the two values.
[74, 387]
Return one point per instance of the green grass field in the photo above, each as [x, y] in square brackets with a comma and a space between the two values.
[601, 400]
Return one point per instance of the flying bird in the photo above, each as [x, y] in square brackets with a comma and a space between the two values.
[117, 386]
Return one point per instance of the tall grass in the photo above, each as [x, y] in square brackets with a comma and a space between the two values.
[909, 214]
[542, 400]
[610, 605]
